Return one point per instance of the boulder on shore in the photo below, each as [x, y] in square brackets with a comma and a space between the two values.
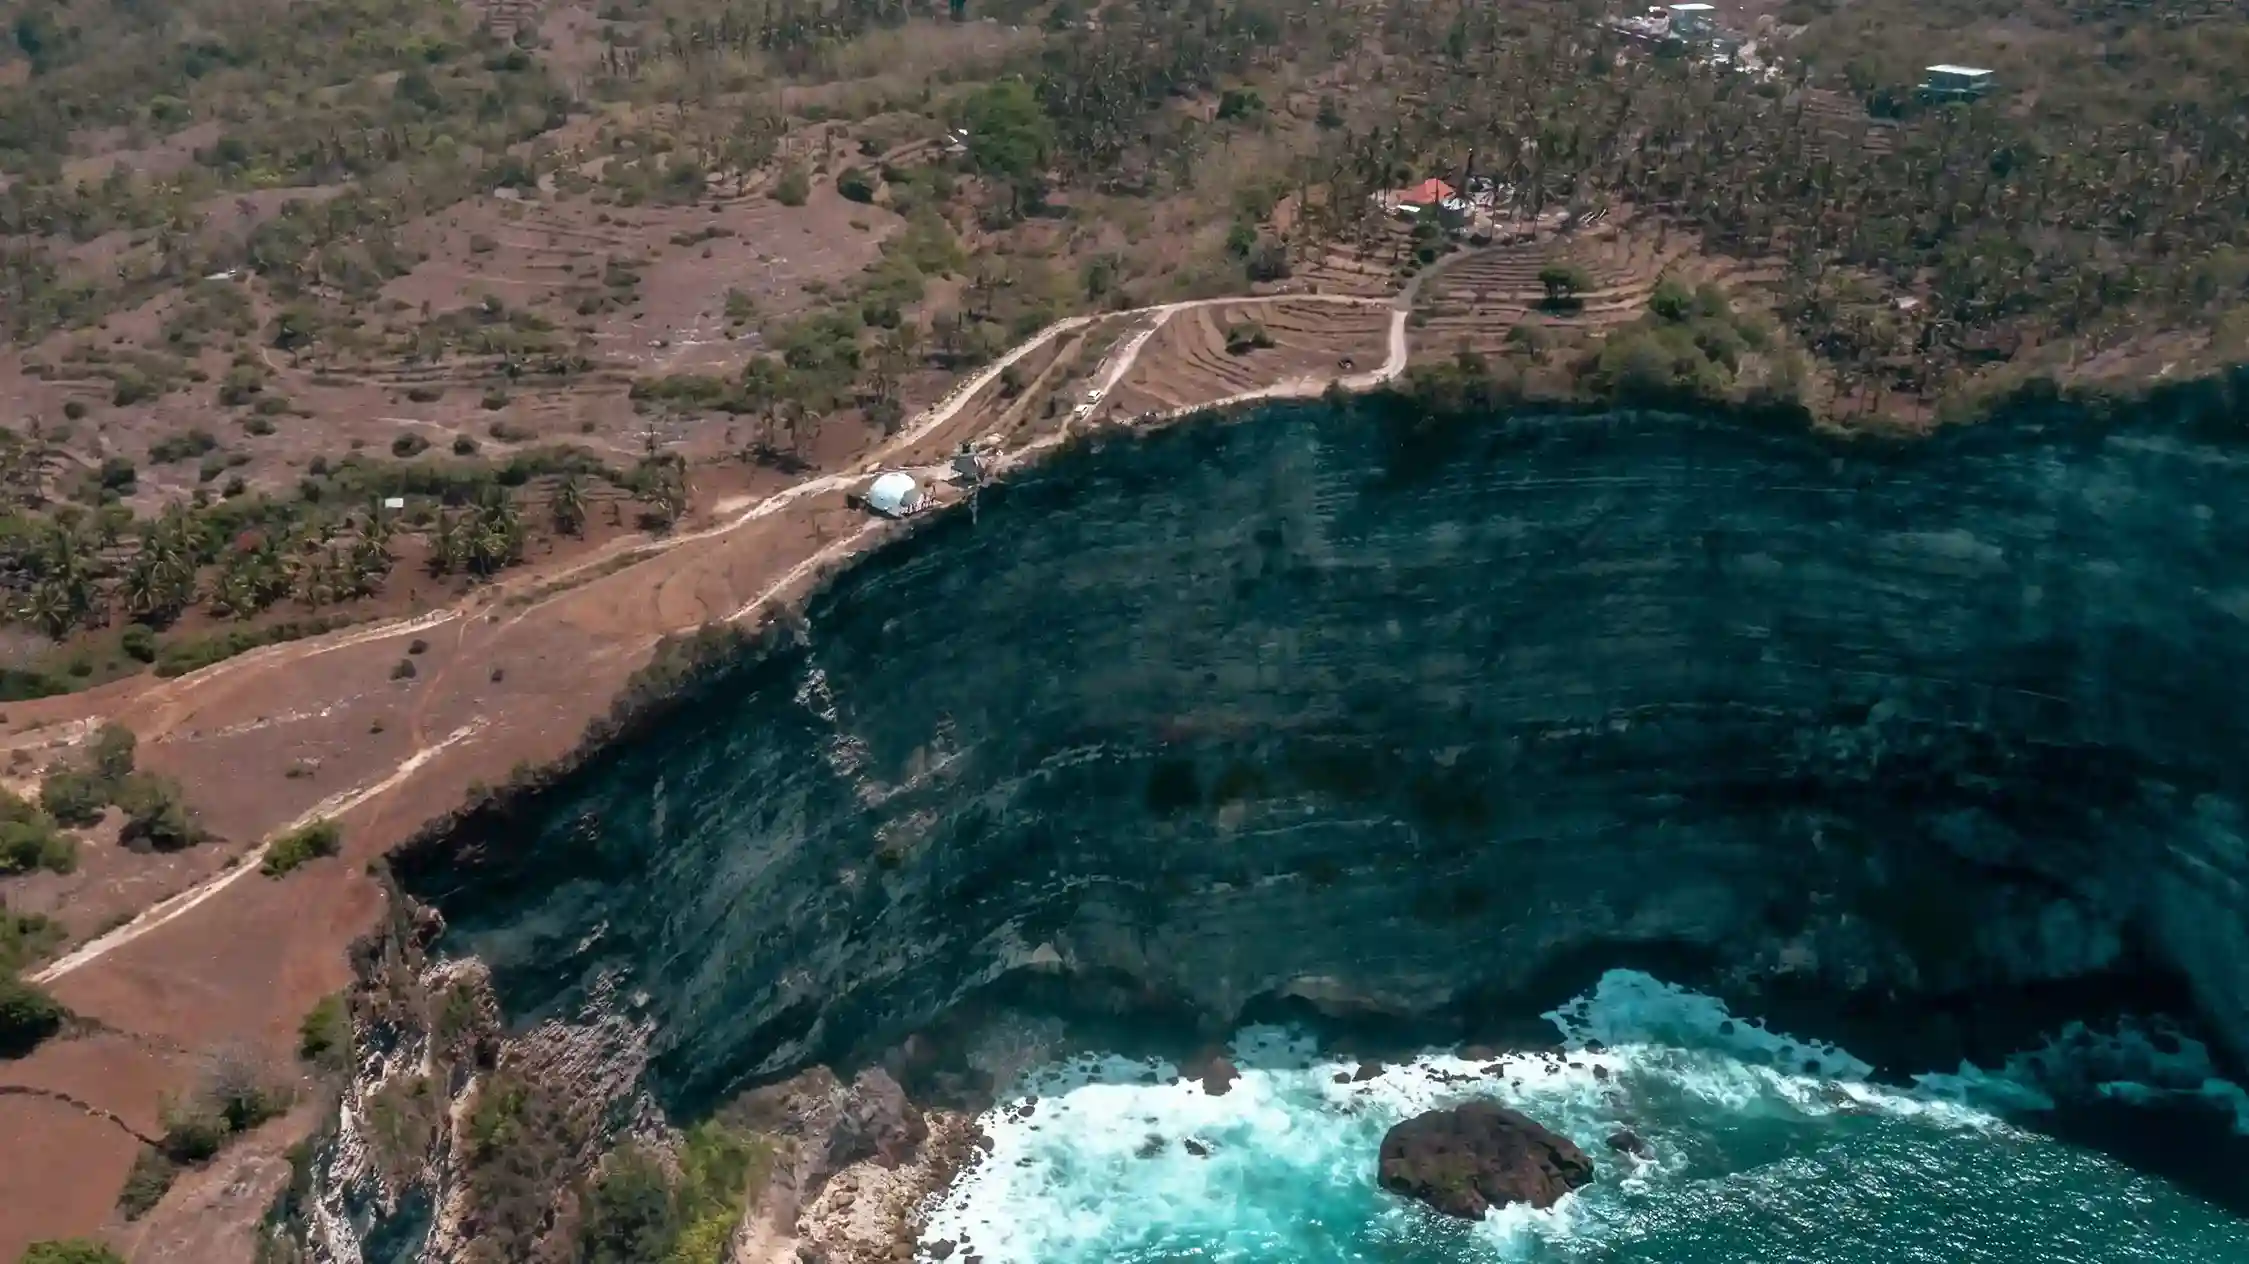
[1473, 1157]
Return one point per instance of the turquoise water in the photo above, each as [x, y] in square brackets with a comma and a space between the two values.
[1766, 1151]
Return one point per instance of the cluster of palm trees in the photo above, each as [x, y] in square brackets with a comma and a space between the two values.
[78, 576]
[480, 539]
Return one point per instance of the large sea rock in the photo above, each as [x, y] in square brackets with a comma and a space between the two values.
[1474, 1157]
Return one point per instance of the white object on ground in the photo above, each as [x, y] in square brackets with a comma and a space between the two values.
[895, 494]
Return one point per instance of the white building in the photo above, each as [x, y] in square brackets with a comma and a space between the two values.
[895, 495]
[1691, 20]
[1948, 80]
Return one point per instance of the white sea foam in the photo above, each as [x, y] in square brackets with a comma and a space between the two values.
[1100, 1170]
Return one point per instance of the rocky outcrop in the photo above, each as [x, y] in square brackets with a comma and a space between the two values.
[819, 1126]
[1477, 1156]
[1627, 1142]
[1427, 720]
[854, 1166]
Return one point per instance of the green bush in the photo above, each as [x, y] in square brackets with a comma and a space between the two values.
[182, 655]
[183, 446]
[637, 1211]
[25, 937]
[324, 1034]
[147, 1183]
[74, 796]
[793, 187]
[1564, 282]
[295, 848]
[29, 839]
[856, 184]
[631, 1212]
[1246, 337]
[70, 1251]
[156, 813]
[27, 1016]
[139, 642]
[111, 752]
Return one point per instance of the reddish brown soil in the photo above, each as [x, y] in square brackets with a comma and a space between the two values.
[512, 672]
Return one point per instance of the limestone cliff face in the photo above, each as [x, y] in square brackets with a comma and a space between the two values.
[1419, 717]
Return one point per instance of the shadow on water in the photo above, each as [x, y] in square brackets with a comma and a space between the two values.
[2191, 1142]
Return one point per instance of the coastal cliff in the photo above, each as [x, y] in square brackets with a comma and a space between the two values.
[1421, 719]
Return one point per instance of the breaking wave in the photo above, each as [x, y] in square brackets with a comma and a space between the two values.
[1764, 1147]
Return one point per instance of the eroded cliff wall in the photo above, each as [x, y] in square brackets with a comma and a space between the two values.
[1408, 716]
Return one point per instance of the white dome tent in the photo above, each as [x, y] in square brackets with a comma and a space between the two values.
[895, 494]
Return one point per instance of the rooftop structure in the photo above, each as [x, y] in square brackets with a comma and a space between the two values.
[895, 494]
[1947, 80]
[1692, 19]
[1420, 197]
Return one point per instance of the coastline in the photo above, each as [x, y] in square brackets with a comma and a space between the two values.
[444, 782]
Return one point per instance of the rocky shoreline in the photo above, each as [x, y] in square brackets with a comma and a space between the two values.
[856, 1167]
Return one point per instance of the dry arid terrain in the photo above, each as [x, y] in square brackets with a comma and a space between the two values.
[223, 956]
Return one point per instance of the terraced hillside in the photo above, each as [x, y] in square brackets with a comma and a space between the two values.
[1477, 299]
[1188, 360]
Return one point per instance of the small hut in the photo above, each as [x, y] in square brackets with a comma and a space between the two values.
[895, 495]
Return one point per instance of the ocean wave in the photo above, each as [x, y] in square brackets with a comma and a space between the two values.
[1123, 1161]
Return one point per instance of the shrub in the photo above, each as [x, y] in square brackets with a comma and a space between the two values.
[118, 475]
[425, 394]
[856, 184]
[408, 445]
[25, 937]
[1564, 282]
[463, 446]
[29, 839]
[74, 796]
[27, 1016]
[130, 387]
[404, 670]
[156, 813]
[147, 1183]
[111, 752]
[180, 447]
[631, 1212]
[183, 655]
[417, 646]
[324, 1035]
[1246, 337]
[320, 838]
[70, 1251]
[1671, 300]
[793, 187]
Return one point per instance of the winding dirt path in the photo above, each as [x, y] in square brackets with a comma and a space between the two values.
[187, 901]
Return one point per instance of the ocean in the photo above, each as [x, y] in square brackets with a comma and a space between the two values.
[1763, 1150]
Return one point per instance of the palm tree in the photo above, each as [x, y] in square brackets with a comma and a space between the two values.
[568, 505]
[445, 544]
[50, 609]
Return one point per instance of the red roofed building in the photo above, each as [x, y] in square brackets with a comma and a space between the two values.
[1427, 193]
[1416, 198]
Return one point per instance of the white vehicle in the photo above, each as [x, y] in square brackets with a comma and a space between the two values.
[1093, 396]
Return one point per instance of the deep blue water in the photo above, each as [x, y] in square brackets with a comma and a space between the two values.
[1766, 1151]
